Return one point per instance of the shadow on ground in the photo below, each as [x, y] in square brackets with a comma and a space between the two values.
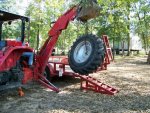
[133, 81]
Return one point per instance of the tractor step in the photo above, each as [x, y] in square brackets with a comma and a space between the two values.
[90, 83]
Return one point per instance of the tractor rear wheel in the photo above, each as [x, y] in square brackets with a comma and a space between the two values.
[86, 54]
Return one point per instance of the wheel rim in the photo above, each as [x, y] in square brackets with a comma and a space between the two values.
[82, 51]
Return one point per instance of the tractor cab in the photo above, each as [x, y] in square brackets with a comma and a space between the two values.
[12, 50]
[9, 18]
[12, 44]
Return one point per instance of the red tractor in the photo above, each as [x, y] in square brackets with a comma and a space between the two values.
[11, 52]
[20, 64]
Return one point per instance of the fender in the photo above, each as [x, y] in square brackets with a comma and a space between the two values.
[11, 55]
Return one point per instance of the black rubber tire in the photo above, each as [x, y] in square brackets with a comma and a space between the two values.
[94, 60]
[47, 74]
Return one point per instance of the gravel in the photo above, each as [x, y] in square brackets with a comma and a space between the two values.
[131, 76]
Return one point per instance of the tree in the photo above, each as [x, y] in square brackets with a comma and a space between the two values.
[43, 14]
[141, 22]
[116, 20]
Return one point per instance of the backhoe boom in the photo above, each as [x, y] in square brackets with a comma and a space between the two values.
[61, 24]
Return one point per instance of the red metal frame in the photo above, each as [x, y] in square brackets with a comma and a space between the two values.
[42, 57]
[11, 55]
[87, 82]
[14, 50]
[61, 24]
[108, 54]
[90, 83]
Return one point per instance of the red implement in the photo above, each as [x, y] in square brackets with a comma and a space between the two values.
[60, 68]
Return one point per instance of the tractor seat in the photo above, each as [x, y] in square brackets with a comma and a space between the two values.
[3, 43]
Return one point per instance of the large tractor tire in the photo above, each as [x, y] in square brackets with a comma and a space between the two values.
[86, 54]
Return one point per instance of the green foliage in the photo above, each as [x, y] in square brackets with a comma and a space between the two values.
[118, 19]
[42, 13]
[7, 5]
[141, 22]
[10, 31]
[115, 20]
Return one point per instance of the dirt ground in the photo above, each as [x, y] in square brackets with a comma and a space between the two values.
[131, 76]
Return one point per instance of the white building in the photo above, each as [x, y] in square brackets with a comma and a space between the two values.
[135, 43]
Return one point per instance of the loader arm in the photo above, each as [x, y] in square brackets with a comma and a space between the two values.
[46, 50]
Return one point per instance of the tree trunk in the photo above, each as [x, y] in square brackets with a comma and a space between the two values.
[128, 54]
[148, 58]
[144, 37]
[86, 28]
[128, 27]
[113, 48]
[146, 33]
[144, 41]
[38, 33]
[123, 48]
